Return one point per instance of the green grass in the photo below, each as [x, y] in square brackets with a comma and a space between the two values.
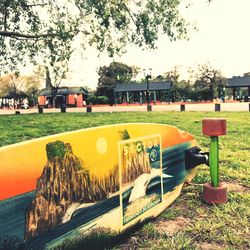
[225, 226]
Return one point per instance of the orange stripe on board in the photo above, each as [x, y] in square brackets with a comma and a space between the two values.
[23, 163]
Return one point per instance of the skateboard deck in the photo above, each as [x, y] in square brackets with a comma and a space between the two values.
[61, 186]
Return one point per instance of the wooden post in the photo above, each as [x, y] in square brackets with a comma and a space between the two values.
[234, 95]
[140, 97]
[127, 97]
[217, 107]
[63, 108]
[114, 98]
[89, 109]
[40, 110]
[182, 107]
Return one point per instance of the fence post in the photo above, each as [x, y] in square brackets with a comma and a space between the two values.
[63, 108]
[89, 109]
[217, 107]
[40, 110]
[182, 107]
[149, 107]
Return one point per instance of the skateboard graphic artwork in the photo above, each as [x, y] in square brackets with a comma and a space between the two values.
[61, 186]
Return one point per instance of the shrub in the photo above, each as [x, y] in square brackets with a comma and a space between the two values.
[54, 149]
[97, 100]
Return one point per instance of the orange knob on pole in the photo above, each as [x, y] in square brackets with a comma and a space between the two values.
[214, 126]
[214, 193]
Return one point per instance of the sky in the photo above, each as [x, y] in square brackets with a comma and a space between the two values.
[222, 38]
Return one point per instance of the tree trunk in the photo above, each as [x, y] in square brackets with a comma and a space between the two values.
[15, 97]
[54, 93]
[34, 101]
[211, 92]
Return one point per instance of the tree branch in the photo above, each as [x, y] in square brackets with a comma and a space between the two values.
[12, 34]
[5, 17]
[37, 4]
[128, 11]
[130, 14]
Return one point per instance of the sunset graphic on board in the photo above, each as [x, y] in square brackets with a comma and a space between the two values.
[22, 163]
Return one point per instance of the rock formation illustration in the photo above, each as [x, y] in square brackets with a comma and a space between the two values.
[134, 164]
[65, 181]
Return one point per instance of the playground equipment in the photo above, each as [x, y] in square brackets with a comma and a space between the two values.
[62, 186]
[214, 192]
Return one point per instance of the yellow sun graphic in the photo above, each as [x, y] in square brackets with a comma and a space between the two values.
[101, 145]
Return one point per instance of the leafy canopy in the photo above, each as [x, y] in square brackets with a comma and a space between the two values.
[110, 76]
[114, 74]
[208, 80]
[31, 29]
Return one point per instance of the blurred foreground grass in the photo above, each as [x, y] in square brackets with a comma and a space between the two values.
[208, 227]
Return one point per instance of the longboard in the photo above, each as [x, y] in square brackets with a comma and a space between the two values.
[61, 186]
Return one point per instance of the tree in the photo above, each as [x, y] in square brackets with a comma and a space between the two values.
[54, 76]
[172, 75]
[12, 86]
[181, 89]
[30, 29]
[19, 87]
[32, 86]
[207, 83]
[111, 75]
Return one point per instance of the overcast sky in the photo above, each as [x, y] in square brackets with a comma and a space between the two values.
[223, 39]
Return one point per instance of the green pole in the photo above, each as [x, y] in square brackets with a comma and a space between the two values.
[214, 161]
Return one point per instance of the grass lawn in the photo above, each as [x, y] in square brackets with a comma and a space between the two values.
[189, 223]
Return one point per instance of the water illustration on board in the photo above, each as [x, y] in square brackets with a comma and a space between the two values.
[141, 173]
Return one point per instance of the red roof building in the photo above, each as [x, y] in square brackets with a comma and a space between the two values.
[65, 96]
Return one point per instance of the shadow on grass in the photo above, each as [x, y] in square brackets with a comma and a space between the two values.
[101, 238]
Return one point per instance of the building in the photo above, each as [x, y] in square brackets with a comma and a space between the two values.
[238, 84]
[136, 92]
[65, 96]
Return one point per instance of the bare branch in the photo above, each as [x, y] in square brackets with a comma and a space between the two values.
[5, 17]
[6, 33]
[37, 4]
[130, 14]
